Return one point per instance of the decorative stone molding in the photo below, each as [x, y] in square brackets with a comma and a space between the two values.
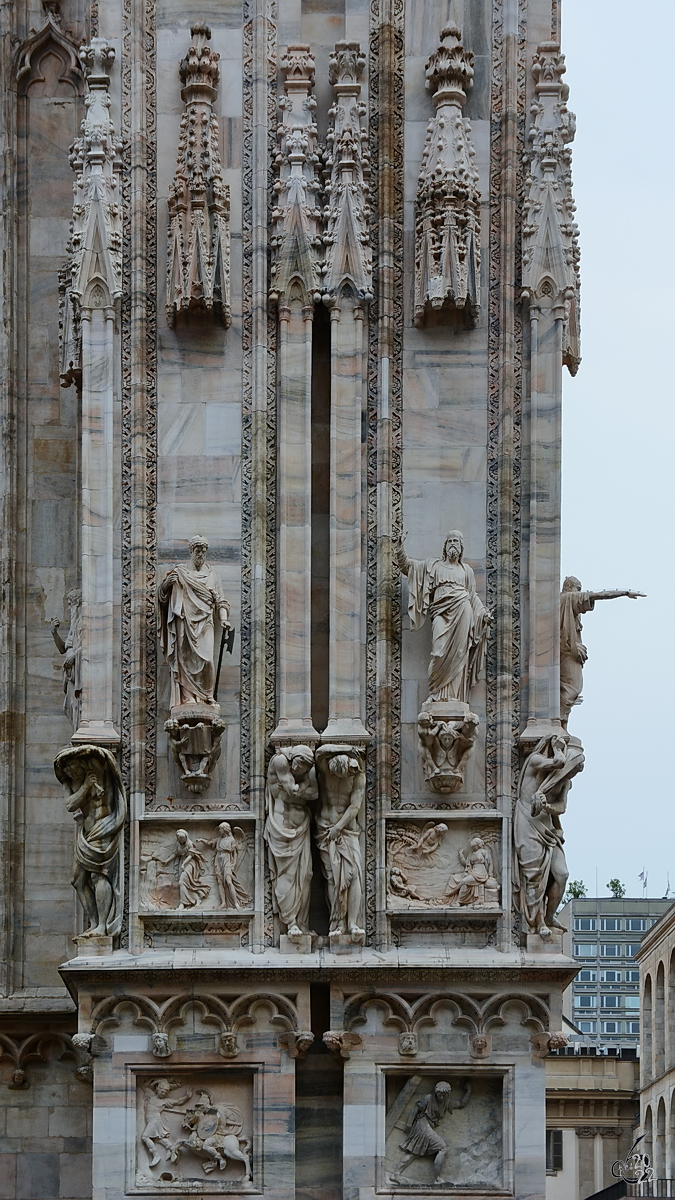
[543, 1043]
[228, 1015]
[30, 51]
[427, 1009]
[198, 265]
[38, 1048]
[550, 234]
[296, 217]
[347, 237]
[447, 214]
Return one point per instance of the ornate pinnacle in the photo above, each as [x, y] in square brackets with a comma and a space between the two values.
[346, 65]
[199, 71]
[297, 67]
[97, 59]
[449, 70]
[548, 67]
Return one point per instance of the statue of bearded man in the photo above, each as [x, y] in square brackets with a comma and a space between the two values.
[189, 596]
[446, 589]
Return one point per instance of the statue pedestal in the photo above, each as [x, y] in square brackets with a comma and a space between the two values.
[94, 945]
[539, 945]
[343, 943]
[447, 731]
[298, 945]
[194, 732]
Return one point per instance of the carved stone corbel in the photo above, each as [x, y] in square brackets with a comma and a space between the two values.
[550, 234]
[297, 1044]
[543, 1043]
[198, 265]
[342, 1042]
[447, 213]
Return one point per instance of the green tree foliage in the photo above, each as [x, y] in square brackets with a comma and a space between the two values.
[616, 888]
[576, 890]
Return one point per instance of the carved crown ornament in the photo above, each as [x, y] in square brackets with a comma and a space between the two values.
[198, 265]
[91, 277]
[447, 210]
[550, 234]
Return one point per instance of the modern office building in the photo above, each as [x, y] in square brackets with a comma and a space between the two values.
[604, 936]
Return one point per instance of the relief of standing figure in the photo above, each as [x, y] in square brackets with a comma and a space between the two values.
[342, 790]
[190, 865]
[423, 1140]
[230, 848]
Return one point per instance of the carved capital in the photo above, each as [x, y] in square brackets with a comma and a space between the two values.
[97, 59]
[199, 71]
[297, 67]
[346, 65]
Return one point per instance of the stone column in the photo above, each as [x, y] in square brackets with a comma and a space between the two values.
[91, 299]
[551, 288]
[296, 280]
[347, 290]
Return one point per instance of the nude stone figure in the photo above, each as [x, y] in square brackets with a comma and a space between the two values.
[342, 787]
[291, 788]
[573, 653]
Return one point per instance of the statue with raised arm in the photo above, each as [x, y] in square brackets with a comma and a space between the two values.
[96, 799]
[422, 1138]
[291, 788]
[71, 649]
[545, 780]
[573, 653]
[342, 788]
[189, 597]
[445, 588]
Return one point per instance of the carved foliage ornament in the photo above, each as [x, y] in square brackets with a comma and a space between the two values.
[92, 274]
[198, 269]
[447, 213]
[297, 216]
[550, 234]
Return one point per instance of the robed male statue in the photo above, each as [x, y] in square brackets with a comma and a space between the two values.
[189, 596]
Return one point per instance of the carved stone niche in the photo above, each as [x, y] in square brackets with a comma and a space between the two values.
[436, 866]
[446, 730]
[466, 1114]
[192, 1127]
[195, 866]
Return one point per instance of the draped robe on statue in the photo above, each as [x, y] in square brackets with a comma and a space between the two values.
[572, 652]
[447, 591]
[290, 867]
[186, 631]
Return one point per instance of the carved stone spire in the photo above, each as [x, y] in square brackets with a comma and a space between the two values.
[92, 274]
[198, 270]
[296, 217]
[550, 233]
[347, 238]
[447, 220]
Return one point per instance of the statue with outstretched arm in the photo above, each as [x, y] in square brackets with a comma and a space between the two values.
[573, 653]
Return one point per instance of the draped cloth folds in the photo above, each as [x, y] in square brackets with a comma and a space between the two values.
[459, 624]
[290, 861]
[186, 632]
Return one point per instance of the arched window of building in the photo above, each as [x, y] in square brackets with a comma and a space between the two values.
[648, 1142]
[670, 1024]
[660, 1141]
[659, 1023]
[646, 1049]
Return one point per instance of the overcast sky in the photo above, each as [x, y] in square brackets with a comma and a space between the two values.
[619, 440]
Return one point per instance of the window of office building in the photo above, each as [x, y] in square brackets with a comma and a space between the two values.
[610, 1001]
[610, 1026]
[554, 1150]
[585, 1001]
[636, 924]
[586, 976]
[632, 1026]
[610, 976]
[610, 950]
[631, 1001]
[610, 924]
[584, 924]
[587, 1026]
[632, 976]
[585, 950]
[631, 949]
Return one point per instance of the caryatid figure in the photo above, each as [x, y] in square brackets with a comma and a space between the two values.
[338, 834]
[545, 780]
[573, 653]
[96, 799]
[446, 589]
[291, 788]
[189, 597]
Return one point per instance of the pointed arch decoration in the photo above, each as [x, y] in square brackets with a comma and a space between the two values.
[49, 38]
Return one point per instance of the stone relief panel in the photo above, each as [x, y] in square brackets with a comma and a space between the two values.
[435, 864]
[207, 866]
[443, 1131]
[194, 1131]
